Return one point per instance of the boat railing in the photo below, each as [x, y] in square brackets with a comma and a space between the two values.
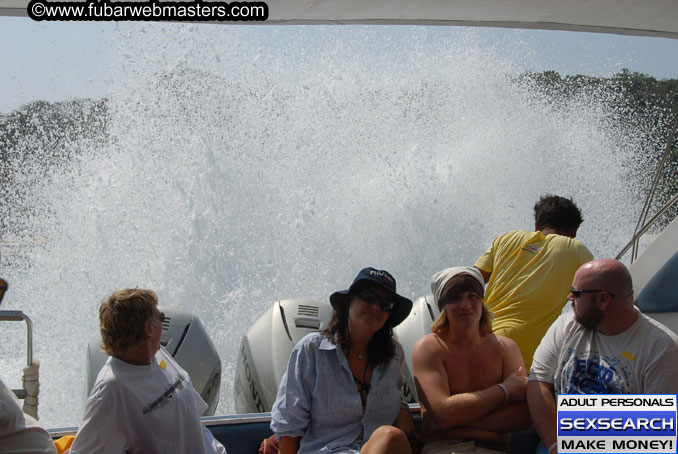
[634, 242]
[251, 418]
[19, 316]
[643, 225]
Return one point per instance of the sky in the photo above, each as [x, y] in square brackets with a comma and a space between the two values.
[56, 61]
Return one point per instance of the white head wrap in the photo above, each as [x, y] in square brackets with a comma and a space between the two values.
[441, 278]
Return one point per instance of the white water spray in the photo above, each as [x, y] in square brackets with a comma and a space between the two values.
[244, 165]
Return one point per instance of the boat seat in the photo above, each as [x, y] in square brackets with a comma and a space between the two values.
[241, 438]
[244, 435]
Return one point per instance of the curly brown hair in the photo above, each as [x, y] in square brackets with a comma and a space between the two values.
[557, 213]
[123, 317]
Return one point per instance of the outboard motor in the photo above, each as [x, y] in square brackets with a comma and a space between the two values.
[266, 347]
[186, 340]
[416, 325]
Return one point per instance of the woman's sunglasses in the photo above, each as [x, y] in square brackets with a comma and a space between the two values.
[370, 297]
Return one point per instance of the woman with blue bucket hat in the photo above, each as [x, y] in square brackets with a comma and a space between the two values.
[341, 392]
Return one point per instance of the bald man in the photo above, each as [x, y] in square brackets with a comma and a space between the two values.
[604, 346]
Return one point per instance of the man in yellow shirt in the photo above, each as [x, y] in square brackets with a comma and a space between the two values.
[530, 273]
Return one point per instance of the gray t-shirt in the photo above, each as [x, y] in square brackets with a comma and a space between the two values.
[576, 360]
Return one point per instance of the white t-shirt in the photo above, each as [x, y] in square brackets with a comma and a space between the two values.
[576, 360]
[144, 409]
[19, 432]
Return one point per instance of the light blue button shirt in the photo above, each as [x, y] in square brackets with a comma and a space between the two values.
[318, 399]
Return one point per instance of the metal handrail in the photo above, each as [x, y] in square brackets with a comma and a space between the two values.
[657, 176]
[251, 418]
[648, 201]
[19, 316]
[636, 236]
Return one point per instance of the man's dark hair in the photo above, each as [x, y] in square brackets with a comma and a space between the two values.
[558, 213]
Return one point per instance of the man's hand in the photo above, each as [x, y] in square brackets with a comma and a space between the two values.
[269, 446]
[406, 424]
[516, 383]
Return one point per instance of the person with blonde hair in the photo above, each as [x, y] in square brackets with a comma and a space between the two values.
[470, 382]
[142, 400]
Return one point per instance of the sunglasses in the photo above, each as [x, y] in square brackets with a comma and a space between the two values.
[577, 293]
[370, 297]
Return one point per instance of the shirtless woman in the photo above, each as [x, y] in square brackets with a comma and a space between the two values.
[471, 383]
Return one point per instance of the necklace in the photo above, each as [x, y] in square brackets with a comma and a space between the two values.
[364, 388]
[361, 355]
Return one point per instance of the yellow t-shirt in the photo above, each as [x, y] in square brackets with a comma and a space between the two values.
[531, 275]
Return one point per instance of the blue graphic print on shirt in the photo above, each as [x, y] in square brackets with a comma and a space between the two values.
[590, 374]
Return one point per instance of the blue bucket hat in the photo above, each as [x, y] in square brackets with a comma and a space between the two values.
[401, 307]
